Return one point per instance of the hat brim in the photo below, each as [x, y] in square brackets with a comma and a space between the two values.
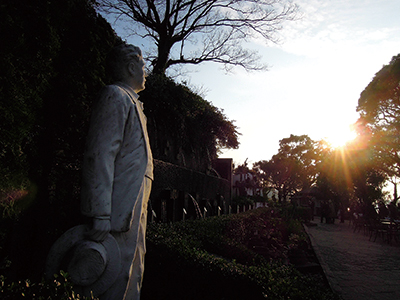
[67, 241]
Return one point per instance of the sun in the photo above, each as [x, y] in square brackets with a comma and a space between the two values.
[339, 136]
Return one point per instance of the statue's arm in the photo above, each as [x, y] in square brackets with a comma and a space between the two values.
[100, 228]
[102, 146]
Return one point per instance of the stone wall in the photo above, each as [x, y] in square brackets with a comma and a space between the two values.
[175, 188]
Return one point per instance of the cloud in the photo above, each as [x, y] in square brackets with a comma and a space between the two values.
[317, 74]
[345, 26]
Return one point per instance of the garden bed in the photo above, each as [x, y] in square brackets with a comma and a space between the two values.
[260, 254]
[242, 256]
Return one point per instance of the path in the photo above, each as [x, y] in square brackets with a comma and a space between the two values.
[355, 267]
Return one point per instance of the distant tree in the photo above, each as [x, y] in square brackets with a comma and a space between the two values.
[335, 181]
[379, 108]
[293, 168]
[191, 32]
[306, 154]
[350, 173]
[278, 173]
[242, 169]
[245, 182]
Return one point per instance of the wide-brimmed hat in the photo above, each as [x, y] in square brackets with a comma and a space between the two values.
[93, 266]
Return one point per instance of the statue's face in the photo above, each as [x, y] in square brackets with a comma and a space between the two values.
[138, 74]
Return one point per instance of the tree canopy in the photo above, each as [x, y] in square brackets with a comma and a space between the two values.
[293, 168]
[340, 174]
[195, 31]
[379, 108]
[184, 128]
[349, 173]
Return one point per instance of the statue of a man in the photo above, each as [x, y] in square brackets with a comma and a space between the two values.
[118, 170]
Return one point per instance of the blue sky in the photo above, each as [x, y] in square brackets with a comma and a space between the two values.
[316, 74]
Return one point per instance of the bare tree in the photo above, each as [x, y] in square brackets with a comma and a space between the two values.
[196, 31]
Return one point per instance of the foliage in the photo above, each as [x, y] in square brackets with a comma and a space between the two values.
[247, 180]
[293, 168]
[344, 174]
[49, 76]
[379, 108]
[14, 202]
[214, 258]
[184, 128]
[60, 288]
[350, 173]
[191, 32]
[221, 258]
[242, 200]
[25, 68]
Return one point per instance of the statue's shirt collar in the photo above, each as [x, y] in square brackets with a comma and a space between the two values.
[130, 89]
[133, 94]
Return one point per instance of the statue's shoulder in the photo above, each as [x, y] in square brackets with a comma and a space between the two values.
[121, 89]
[114, 93]
[112, 89]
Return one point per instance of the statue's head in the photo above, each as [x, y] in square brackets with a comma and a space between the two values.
[125, 63]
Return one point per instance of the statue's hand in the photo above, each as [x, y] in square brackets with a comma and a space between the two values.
[100, 229]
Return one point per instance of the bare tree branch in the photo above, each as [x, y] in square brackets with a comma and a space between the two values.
[222, 26]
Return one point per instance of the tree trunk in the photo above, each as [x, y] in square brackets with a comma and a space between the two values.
[164, 48]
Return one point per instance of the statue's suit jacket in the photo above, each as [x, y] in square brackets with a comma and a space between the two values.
[117, 157]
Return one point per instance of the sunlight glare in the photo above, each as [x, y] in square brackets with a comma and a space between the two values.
[340, 136]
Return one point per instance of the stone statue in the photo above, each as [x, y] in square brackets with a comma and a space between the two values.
[117, 179]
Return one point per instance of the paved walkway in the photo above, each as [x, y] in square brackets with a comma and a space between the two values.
[355, 267]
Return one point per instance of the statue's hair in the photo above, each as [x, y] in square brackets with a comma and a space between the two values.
[119, 58]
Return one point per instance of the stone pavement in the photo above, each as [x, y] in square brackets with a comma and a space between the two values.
[355, 267]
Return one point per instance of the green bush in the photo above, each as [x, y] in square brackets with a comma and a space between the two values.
[242, 200]
[49, 76]
[215, 258]
[292, 212]
[218, 258]
[60, 289]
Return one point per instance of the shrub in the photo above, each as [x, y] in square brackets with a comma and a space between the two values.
[60, 288]
[213, 259]
[220, 258]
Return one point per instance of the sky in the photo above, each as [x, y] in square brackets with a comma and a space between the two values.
[316, 73]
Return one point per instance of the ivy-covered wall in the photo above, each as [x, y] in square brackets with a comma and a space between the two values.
[52, 56]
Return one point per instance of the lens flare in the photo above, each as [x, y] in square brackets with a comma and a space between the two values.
[341, 136]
